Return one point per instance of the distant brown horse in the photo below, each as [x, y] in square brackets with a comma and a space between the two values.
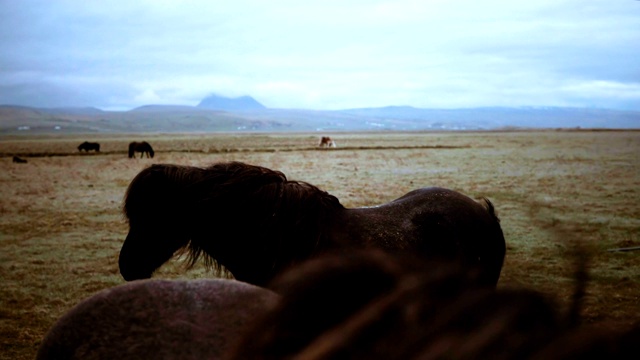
[326, 141]
[19, 160]
[141, 147]
[88, 146]
[256, 223]
[157, 319]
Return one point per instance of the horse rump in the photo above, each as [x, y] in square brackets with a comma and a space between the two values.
[157, 319]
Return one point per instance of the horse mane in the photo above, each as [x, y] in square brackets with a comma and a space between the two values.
[375, 305]
[289, 214]
[371, 304]
[149, 183]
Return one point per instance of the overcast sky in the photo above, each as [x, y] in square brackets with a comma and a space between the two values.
[117, 55]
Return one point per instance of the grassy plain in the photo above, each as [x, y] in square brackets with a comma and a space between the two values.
[61, 227]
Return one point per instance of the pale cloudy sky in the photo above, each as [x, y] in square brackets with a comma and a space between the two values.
[327, 54]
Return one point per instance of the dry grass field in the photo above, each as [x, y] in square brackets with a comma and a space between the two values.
[61, 227]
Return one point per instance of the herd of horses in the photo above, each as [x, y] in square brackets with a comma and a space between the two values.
[412, 278]
[360, 304]
[144, 148]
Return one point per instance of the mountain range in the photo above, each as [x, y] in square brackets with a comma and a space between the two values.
[222, 114]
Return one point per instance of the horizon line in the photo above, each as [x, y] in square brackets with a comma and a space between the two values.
[523, 107]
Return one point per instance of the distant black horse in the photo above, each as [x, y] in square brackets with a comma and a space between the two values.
[142, 148]
[157, 319]
[256, 223]
[88, 146]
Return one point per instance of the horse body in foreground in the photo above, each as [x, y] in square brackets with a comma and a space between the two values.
[256, 223]
[144, 148]
[88, 146]
[374, 305]
[157, 319]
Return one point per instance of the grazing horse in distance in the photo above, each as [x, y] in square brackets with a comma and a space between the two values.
[19, 160]
[141, 147]
[88, 146]
[157, 319]
[256, 223]
[326, 141]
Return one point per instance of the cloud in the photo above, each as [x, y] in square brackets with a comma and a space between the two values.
[321, 54]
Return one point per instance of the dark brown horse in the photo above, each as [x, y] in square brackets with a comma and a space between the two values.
[88, 146]
[141, 147]
[374, 305]
[157, 319]
[256, 223]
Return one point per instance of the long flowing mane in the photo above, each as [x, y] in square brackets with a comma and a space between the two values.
[286, 216]
[377, 305]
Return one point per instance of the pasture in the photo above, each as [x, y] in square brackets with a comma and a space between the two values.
[61, 225]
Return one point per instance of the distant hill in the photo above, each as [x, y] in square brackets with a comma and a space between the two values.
[216, 102]
[163, 109]
[496, 117]
[73, 111]
[180, 119]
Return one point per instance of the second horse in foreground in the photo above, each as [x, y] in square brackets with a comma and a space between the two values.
[256, 223]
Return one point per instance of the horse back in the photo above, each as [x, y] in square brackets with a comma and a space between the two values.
[157, 319]
[86, 146]
[438, 223]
